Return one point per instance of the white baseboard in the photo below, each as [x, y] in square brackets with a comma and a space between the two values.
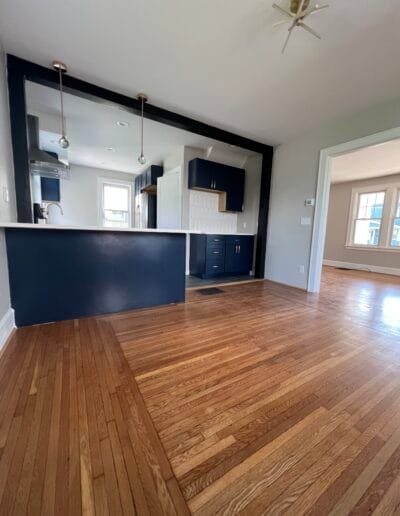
[361, 267]
[7, 324]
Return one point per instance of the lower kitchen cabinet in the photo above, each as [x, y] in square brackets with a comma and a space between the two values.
[220, 255]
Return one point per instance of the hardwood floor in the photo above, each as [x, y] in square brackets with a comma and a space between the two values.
[261, 400]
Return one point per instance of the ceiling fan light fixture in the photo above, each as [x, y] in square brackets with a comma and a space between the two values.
[295, 15]
[295, 4]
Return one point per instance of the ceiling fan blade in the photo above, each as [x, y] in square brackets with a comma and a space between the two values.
[283, 11]
[309, 29]
[280, 23]
[287, 39]
[317, 9]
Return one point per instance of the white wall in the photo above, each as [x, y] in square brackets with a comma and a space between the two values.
[79, 196]
[7, 209]
[294, 178]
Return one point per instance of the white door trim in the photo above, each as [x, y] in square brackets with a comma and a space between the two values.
[322, 197]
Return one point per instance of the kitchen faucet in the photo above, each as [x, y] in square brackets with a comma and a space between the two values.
[45, 209]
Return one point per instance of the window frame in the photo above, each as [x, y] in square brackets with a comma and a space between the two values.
[104, 181]
[393, 217]
[392, 194]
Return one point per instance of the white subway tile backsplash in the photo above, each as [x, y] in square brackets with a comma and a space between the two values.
[205, 216]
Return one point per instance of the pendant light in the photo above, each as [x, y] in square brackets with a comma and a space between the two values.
[61, 68]
[143, 98]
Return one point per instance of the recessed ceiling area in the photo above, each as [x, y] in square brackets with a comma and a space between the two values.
[217, 61]
[107, 137]
[374, 161]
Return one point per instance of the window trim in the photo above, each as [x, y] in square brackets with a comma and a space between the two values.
[393, 217]
[113, 182]
[392, 193]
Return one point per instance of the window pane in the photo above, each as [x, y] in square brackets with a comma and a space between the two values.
[111, 224]
[398, 208]
[396, 232]
[116, 197]
[367, 232]
[116, 216]
[371, 205]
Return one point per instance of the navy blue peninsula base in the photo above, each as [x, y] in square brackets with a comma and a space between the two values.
[60, 274]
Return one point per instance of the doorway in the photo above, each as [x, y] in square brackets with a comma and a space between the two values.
[323, 196]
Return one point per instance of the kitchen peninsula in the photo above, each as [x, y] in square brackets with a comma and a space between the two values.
[58, 273]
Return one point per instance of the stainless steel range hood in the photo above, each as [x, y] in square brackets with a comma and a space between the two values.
[42, 163]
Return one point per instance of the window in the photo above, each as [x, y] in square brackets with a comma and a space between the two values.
[369, 218]
[396, 223]
[115, 204]
[375, 218]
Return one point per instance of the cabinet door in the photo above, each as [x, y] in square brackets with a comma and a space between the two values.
[155, 172]
[235, 191]
[200, 174]
[239, 254]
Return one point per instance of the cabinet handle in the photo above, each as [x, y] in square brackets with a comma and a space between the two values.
[216, 252]
[216, 239]
[239, 248]
[215, 266]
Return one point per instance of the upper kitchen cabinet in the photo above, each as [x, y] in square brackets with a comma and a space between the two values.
[222, 179]
[148, 178]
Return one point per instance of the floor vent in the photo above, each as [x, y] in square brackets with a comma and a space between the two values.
[209, 291]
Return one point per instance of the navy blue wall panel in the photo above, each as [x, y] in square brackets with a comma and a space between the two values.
[65, 274]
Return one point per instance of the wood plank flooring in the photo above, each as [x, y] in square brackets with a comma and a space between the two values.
[260, 400]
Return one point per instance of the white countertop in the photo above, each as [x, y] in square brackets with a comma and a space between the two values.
[18, 225]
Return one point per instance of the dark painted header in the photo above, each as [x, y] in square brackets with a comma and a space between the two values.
[48, 77]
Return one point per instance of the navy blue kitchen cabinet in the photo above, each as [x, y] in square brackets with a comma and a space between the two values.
[220, 255]
[149, 178]
[221, 179]
[238, 254]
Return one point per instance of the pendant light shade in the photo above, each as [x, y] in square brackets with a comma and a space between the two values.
[61, 68]
[143, 98]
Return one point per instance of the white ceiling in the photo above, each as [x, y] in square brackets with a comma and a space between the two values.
[97, 141]
[219, 61]
[374, 161]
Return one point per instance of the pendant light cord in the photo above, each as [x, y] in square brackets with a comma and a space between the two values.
[62, 104]
[142, 125]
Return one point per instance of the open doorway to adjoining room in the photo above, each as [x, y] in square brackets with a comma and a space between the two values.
[357, 216]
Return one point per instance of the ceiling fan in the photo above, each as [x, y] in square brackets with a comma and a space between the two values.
[298, 11]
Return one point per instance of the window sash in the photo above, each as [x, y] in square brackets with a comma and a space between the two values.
[395, 223]
[118, 218]
[387, 219]
[358, 218]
